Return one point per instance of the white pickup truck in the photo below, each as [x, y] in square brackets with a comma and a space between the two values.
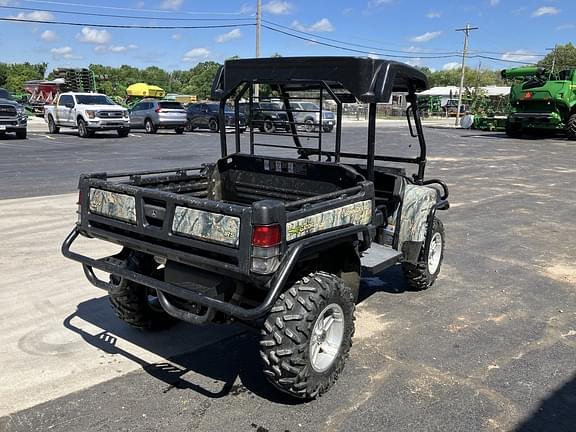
[87, 112]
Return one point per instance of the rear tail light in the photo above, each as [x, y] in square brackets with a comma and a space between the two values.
[266, 241]
[158, 110]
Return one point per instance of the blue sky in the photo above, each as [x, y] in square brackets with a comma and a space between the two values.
[517, 30]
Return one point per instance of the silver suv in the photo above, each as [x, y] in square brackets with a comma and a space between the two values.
[153, 115]
[308, 114]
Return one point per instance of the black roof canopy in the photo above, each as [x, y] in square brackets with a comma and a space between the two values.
[368, 80]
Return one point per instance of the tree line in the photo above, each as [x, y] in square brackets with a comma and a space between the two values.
[198, 80]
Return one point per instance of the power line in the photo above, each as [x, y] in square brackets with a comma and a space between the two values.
[354, 44]
[501, 60]
[353, 49]
[122, 16]
[125, 26]
[59, 3]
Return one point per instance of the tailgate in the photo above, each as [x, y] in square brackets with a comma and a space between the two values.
[166, 224]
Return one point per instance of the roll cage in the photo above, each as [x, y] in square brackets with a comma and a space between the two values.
[343, 79]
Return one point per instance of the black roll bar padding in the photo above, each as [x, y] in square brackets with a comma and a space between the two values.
[275, 285]
[250, 109]
[237, 115]
[222, 128]
[413, 99]
[290, 114]
[371, 140]
[410, 123]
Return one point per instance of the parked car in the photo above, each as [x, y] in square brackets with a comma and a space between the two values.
[152, 115]
[266, 116]
[13, 117]
[87, 112]
[205, 116]
[308, 114]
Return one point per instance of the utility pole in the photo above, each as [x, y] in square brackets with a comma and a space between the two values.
[258, 28]
[554, 51]
[466, 31]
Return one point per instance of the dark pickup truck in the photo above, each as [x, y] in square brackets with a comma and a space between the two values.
[280, 242]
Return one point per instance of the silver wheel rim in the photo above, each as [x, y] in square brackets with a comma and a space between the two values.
[148, 126]
[434, 253]
[327, 336]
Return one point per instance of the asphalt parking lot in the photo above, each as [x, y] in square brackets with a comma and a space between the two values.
[491, 346]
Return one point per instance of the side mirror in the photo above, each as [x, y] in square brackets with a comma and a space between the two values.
[69, 105]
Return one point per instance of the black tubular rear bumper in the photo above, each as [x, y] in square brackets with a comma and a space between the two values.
[110, 265]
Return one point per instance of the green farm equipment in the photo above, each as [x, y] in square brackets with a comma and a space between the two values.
[541, 100]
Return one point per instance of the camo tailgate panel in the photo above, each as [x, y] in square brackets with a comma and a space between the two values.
[207, 225]
[359, 213]
[113, 205]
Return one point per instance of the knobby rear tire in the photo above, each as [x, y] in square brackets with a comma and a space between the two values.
[287, 335]
[130, 300]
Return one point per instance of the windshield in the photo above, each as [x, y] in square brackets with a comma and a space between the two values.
[309, 106]
[94, 100]
[216, 107]
[5, 94]
[270, 106]
[170, 105]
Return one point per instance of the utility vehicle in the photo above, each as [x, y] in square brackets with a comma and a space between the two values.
[87, 112]
[13, 116]
[280, 242]
[541, 101]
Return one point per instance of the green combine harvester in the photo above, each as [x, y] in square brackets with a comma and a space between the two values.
[541, 101]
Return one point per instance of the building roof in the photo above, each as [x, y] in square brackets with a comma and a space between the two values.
[453, 91]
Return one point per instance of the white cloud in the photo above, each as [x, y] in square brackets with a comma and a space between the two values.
[196, 53]
[376, 3]
[49, 36]
[232, 34]
[545, 10]
[324, 25]
[428, 36]
[171, 4]
[246, 9]
[177, 36]
[374, 56]
[416, 61]
[433, 14]
[64, 52]
[494, 2]
[34, 16]
[278, 7]
[93, 36]
[414, 49]
[116, 49]
[520, 55]
[565, 27]
[451, 66]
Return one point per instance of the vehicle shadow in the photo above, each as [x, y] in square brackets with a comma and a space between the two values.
[556, 413]
[198, 358]
[391, 281]
[230, 356]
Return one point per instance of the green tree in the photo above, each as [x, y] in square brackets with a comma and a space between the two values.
[565, 58]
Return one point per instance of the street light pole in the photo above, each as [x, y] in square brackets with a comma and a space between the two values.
[258, 29]
[466, 31]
